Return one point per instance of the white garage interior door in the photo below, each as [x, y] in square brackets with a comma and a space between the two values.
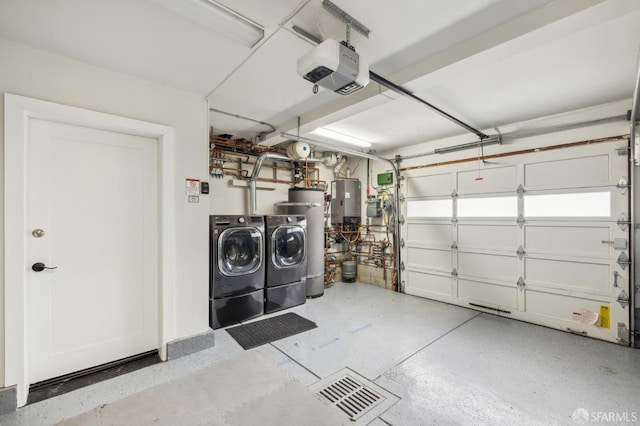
[541, 237]
[92, 208]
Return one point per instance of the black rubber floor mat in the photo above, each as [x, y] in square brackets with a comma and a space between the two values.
[269, 330]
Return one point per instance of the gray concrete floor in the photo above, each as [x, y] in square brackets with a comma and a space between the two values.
[448, 365]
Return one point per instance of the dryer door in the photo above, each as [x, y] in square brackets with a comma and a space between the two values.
[288, 246]
[239, 251]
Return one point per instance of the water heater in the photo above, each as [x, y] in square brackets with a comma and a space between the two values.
[346, 207]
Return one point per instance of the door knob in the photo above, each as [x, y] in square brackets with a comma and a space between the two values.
[39, 266]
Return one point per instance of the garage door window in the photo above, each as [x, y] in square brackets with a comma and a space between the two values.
[430, 208]
[584, 204]
[488, 207]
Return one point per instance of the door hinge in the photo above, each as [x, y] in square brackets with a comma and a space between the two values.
[402, 266]
[454, 194]
[401, 220]
[520, 284]
[623, 221]
[623, 260]
[623, 185]
[454, 246]
[520, 221]
[520, 191]
[454, 273]
[520, 252]
[623, 299]
[401, 242]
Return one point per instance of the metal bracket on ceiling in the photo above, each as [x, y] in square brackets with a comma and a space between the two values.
[349, 20]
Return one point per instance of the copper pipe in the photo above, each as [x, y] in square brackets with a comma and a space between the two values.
[523, 151]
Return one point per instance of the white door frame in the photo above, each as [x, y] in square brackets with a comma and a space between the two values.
[18, 111]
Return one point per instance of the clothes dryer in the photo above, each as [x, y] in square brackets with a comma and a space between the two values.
[286, 241]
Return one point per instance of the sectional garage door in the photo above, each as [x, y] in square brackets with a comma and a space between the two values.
[541, 237]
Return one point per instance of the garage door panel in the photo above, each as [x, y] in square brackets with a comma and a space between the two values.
[497, 179]
[428, 186]
[498, 296]
[488, 266]
[565, 220]
[584, 276]
[603, 204]
[574, 172]
[568, 240]
[561, 306]
[491, 237]
[428, 285]
[430, 233]
[423, 258]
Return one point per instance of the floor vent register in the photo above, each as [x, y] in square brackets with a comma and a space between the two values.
[360, 399]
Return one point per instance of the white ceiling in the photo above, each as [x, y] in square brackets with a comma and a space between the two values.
[487, 62]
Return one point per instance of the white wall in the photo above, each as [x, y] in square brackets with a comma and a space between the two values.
[37, 74]
[236, 198]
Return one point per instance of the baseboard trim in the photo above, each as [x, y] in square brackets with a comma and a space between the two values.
[189, 345]
[8, 400]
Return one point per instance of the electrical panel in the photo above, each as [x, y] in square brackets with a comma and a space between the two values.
[346, 206]
[374, 207]
[385, 178]
[381, 208]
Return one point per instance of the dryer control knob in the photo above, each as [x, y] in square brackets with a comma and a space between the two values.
[241, 219]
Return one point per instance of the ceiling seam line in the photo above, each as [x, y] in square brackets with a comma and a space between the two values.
[254, 51]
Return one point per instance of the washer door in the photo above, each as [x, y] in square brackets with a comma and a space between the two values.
[239, 251]
[287, 246]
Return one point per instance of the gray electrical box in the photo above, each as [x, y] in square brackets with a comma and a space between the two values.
[374, 207]
[346, 207]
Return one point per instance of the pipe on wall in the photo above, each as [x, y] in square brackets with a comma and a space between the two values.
[253, 203]
[396, 174]
[516, 135]
[339, 166]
